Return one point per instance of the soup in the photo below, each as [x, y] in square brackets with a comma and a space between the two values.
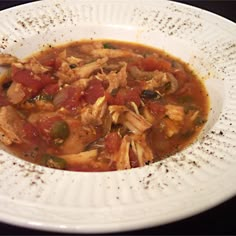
[99, 106]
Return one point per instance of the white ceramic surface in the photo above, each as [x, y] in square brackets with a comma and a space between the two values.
[194, 180]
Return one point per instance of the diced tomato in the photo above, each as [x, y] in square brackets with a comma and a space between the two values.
[50, 62]
[30, 133]
[133, 95]
[68, 97]
[112, 142]
[118, 99]
[94, 91]
[109, 98]
[3, 100]
[14, 70]
[26, 78]
[29, 80]
[152, 63]
[156, 108]
[46, 79]
[51, 89]
[124, 96]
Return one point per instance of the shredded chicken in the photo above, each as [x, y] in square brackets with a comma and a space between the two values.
[148, 115]
[174, 112]
[113, 53]
[155, 79]
[193, 115]
[114, 79]
[80, 158]
[33, 65]
[88, 48]
[10, 126]
[16, 93]
[171, 127]
[7, 59]
[68, 75]
[74, 60]
[87, 69]
[82, 83]
[173, 123]
[93, 114]
[134, 122]
[139, 147]
[161, 79]
[122, 156]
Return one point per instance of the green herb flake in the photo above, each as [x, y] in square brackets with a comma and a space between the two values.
[199, 121]
[53, 161]
[108, 46]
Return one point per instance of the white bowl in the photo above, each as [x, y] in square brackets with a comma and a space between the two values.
[198, 178]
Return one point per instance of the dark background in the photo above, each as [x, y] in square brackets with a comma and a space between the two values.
[216, 221]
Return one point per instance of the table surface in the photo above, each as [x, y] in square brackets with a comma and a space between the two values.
[218, 220]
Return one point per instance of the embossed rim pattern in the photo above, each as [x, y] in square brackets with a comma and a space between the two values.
[187, 183]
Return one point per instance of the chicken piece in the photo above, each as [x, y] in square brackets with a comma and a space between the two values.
[88, 48]
[80, 158]
[33, 65]
[93, 114]
[141, 149]
[155, 79]
[148, 115]
[113, 53]
[161, 79]
[193, 115]
[114, 79]
[36, 67]
[82, 83]
[35, 117]
[7, 59]
[174, 112]
[80, 137]
[62, 55]
[67, 75]
[16, 93]
[171, 127]
[86, 70]
[74, 60]
[65, 72]
[44, 105]
[134, 122]
[175, 118]
[122, 156]
[10, 126]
